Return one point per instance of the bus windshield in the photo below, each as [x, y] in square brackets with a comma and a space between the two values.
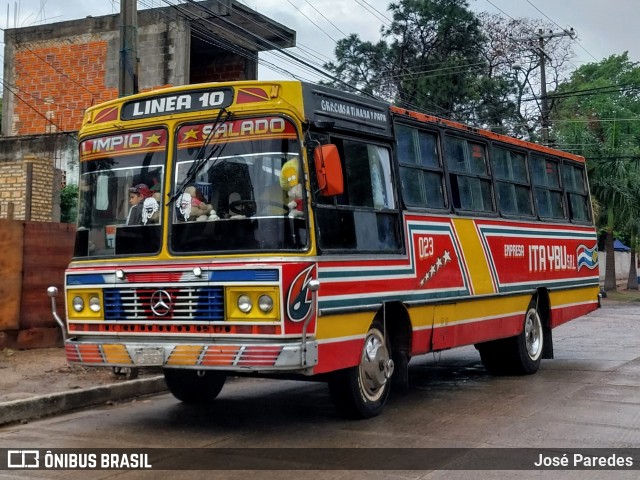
[246, 193]
[121, 178]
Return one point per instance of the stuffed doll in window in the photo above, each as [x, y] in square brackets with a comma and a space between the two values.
[197, 210]
[290, 183]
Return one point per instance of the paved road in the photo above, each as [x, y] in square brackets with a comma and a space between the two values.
[588, 396]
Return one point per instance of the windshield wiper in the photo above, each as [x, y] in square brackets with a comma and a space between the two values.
[201, 160]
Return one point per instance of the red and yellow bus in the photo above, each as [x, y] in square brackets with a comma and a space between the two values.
[270, 228]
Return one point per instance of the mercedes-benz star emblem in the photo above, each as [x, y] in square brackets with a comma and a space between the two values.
[160, 303]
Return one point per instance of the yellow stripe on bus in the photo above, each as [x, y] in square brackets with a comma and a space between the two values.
[185, 355]
[574, 296]
[116, 354]
[486, 308]
[343, 325]
[474, 256]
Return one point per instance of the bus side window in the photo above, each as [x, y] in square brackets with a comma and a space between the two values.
[577, 196]
[546, 187]
[468, 175]
[512, 182]
[420, 168]
[364, 218]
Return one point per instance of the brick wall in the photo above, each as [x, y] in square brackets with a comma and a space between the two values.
[41, 191]
[35, 255]
[20, 182]
[74, 77]
[12, 189]
[222, 68]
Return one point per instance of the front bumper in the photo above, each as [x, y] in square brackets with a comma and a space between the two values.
[259, 357]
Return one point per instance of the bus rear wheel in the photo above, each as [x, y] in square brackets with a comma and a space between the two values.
[529, 343]
[519, 355]
[362, 391]
[194, 386]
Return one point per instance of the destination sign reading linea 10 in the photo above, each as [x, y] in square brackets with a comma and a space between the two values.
[167, 104]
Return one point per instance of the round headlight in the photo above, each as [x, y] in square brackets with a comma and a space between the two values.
[78, 304]
[244, 303]
[265, 303]
[94, 304]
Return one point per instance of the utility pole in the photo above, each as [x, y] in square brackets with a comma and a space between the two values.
[544, 104]
[128, 79]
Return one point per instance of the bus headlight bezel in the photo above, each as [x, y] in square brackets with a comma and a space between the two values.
[265, 303]
[238, 298]
[85, 304]
[78, 303]
[95, 305]
[245, 305]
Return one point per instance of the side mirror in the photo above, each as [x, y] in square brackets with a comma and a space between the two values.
[328, 170]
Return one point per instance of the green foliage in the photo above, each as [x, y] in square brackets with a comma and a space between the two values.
[69, 204]
[440, 57]
[430, 58]
[596, 116]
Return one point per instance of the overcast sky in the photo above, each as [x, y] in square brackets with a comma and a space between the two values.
[604, 27]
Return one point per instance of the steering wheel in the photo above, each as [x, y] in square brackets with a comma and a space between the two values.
[272, 203]
[243, 207]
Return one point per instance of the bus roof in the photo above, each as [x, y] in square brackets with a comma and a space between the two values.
[424, 118]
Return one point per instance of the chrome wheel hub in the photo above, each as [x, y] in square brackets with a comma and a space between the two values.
[376, 366]
[533, 334]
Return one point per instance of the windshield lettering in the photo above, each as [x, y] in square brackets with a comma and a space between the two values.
[162, 105]
[246, 127]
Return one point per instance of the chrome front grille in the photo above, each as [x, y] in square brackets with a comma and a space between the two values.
[187, 304]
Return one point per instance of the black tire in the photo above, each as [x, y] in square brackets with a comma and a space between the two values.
[194, 386]
[362, 391]
[494, 356]
[519, 355]
[400, 379]
[529, 344]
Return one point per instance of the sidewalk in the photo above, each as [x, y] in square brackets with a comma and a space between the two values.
[39, 382]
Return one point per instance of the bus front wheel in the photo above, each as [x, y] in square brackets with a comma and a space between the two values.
[194, 386]
[362, 391]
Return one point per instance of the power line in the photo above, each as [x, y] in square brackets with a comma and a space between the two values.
[278, 49]
[315, 24]
[372, 11]
[562, 28]
[323, 16]
[268, 43]
[220, 41]
[53, 67]
[9, 88]
[377, 11]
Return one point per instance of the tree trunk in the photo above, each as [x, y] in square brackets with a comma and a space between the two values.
[610, 266]
[632, 283]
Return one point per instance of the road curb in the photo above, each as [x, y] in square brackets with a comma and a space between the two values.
[55, 403]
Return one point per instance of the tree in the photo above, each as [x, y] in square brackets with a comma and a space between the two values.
[596, 115]
[515, 62]
[440, 57]
[429, 58]
[69, 204]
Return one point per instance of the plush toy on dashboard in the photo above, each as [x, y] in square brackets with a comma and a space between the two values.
[200, 211]
[290, 183]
